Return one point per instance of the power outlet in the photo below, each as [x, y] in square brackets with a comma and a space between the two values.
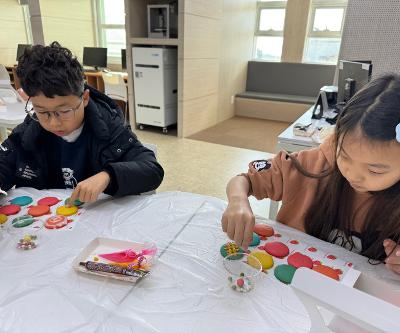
[232, 99]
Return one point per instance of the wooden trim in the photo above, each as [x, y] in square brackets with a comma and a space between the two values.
[154, 41]
[295, 31]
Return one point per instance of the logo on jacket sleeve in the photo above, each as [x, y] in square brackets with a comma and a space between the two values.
[260, 165]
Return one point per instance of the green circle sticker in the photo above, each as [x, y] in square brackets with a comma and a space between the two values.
[284, 273]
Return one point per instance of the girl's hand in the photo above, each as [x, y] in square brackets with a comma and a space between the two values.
[238, 222]
[393, 255]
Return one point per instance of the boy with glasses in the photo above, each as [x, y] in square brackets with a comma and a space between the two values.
[74, 136]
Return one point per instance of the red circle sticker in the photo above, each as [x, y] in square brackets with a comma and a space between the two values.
[48, 201]
[10, 209]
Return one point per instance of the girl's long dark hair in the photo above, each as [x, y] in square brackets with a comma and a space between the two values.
[376, 110]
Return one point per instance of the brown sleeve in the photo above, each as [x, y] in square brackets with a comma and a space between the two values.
[281, 179]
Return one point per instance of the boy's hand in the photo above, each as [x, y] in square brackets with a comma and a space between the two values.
[89, 189]
[393, 252]
[238, 222]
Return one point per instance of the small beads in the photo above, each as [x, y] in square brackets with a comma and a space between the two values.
[241, 283]
[28, 242]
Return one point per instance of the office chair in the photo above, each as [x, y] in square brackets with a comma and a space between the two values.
[273, 209]
[17, 83]
[115, 88]
[4, 76]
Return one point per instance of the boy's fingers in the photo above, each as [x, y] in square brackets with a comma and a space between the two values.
[94, 197]
[74, 196]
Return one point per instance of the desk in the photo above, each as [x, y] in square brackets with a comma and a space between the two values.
[185, 292]
[95, 79]
[11, 117]
[289, 142]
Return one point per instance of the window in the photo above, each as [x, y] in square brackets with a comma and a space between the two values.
[111, 25]
[269, 30]
[325, 31]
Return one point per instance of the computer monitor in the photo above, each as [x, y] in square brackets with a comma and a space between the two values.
[123, 58]
[21, 49]
[353, 75]
[95, 57]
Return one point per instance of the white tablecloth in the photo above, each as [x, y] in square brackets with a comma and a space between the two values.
[185, 292]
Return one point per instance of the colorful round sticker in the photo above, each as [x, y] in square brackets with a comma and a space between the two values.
[229, 249]
[56, 222]
[49, 201]
[256, 240]
[264, 258]
[39, 210]
[284, 273]
[67, 211]
[263, 230]
[3, 218]
[10, 209]
[276, 249]
[76, 202]
[327, 271]
[22, 221]
[298, 260]
[21, 201]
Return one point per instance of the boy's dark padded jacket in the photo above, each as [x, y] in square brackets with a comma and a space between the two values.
[112, 148]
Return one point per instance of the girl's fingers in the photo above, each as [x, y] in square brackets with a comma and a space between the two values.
[394, 268]
[389, 245]
[239, 232]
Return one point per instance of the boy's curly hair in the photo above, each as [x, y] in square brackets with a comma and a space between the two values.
[50, 70]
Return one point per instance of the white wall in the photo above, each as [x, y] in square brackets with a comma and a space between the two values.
[372, 32]
[12, 31]
[70, 22]
[237, 36]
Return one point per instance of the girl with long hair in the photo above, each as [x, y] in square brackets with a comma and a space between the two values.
[346, 191]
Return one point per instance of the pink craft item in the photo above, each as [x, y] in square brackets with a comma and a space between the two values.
[10, 209]
[127, 256]
[49, 201]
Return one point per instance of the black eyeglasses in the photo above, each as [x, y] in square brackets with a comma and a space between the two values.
[45, 116]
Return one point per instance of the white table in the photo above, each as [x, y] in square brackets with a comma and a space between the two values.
[185, 292]
[291, 143]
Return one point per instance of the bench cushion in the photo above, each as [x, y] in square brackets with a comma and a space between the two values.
[288, 78]
[278, 97]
